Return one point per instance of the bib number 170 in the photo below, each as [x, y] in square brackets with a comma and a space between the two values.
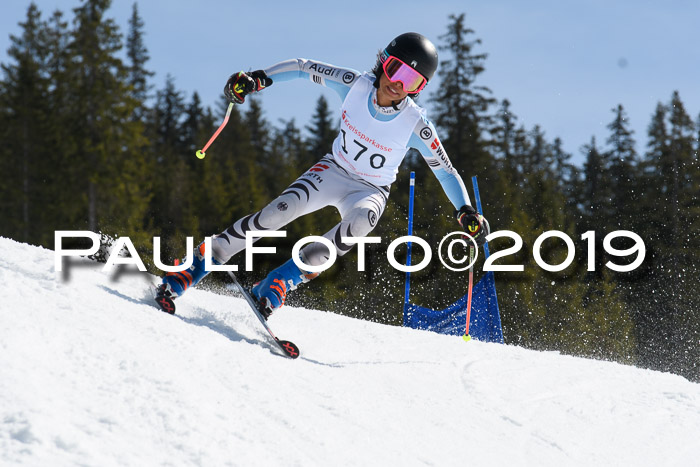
[376, 161]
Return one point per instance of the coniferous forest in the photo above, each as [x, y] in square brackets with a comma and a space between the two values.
[90, 143]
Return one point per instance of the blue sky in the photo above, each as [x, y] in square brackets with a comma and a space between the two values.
[563, 65]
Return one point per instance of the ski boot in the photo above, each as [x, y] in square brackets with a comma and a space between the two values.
[176, 283]
[271, 292]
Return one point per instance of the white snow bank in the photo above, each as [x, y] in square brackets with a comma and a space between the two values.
[92, 374]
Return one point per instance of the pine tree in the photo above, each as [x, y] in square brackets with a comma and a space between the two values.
[567, 178]
[168, 115]
[63, 172]
[668, 303]
[503, 135]
[24, 126]
[690, 333]
[678, 169]
[597, 190]
[171, 204]
[669, 163]
[621, 141]
[321, 131]
[624, 177]
[539, 158]
[100, 99]
[290, 145]
[461, 105]
[137, 53]
[539, 188]
[202, 203]
[262, 156]
[682, 194]
[193, 126]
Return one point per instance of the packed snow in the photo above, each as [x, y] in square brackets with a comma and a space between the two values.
[91, 373]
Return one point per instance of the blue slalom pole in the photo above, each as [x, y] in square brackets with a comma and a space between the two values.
[496, 332]
[408, 246]
[478, 208]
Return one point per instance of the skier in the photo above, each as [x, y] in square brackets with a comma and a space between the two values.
[379, 123]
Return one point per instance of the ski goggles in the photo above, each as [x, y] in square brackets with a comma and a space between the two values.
[397, 70]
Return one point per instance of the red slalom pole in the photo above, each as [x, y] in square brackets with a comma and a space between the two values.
[466, 336]
[202, 152]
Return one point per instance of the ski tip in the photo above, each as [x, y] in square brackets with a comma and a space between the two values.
[289, 348]
[166, 304]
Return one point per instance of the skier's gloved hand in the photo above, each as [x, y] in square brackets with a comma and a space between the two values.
[261, 80]
[473, 223]
[241, 84]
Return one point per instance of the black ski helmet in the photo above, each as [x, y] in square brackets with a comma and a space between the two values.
[416, 51]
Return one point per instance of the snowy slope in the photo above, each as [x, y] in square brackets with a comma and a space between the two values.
[91, 374]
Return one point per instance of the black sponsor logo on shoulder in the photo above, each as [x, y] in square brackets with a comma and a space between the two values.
[322, 70]
[348, 77]
[426, 133]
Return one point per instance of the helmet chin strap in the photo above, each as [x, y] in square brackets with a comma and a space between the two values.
[394, 104]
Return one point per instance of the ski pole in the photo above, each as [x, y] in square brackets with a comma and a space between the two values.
[202, 152]
[466, 336]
